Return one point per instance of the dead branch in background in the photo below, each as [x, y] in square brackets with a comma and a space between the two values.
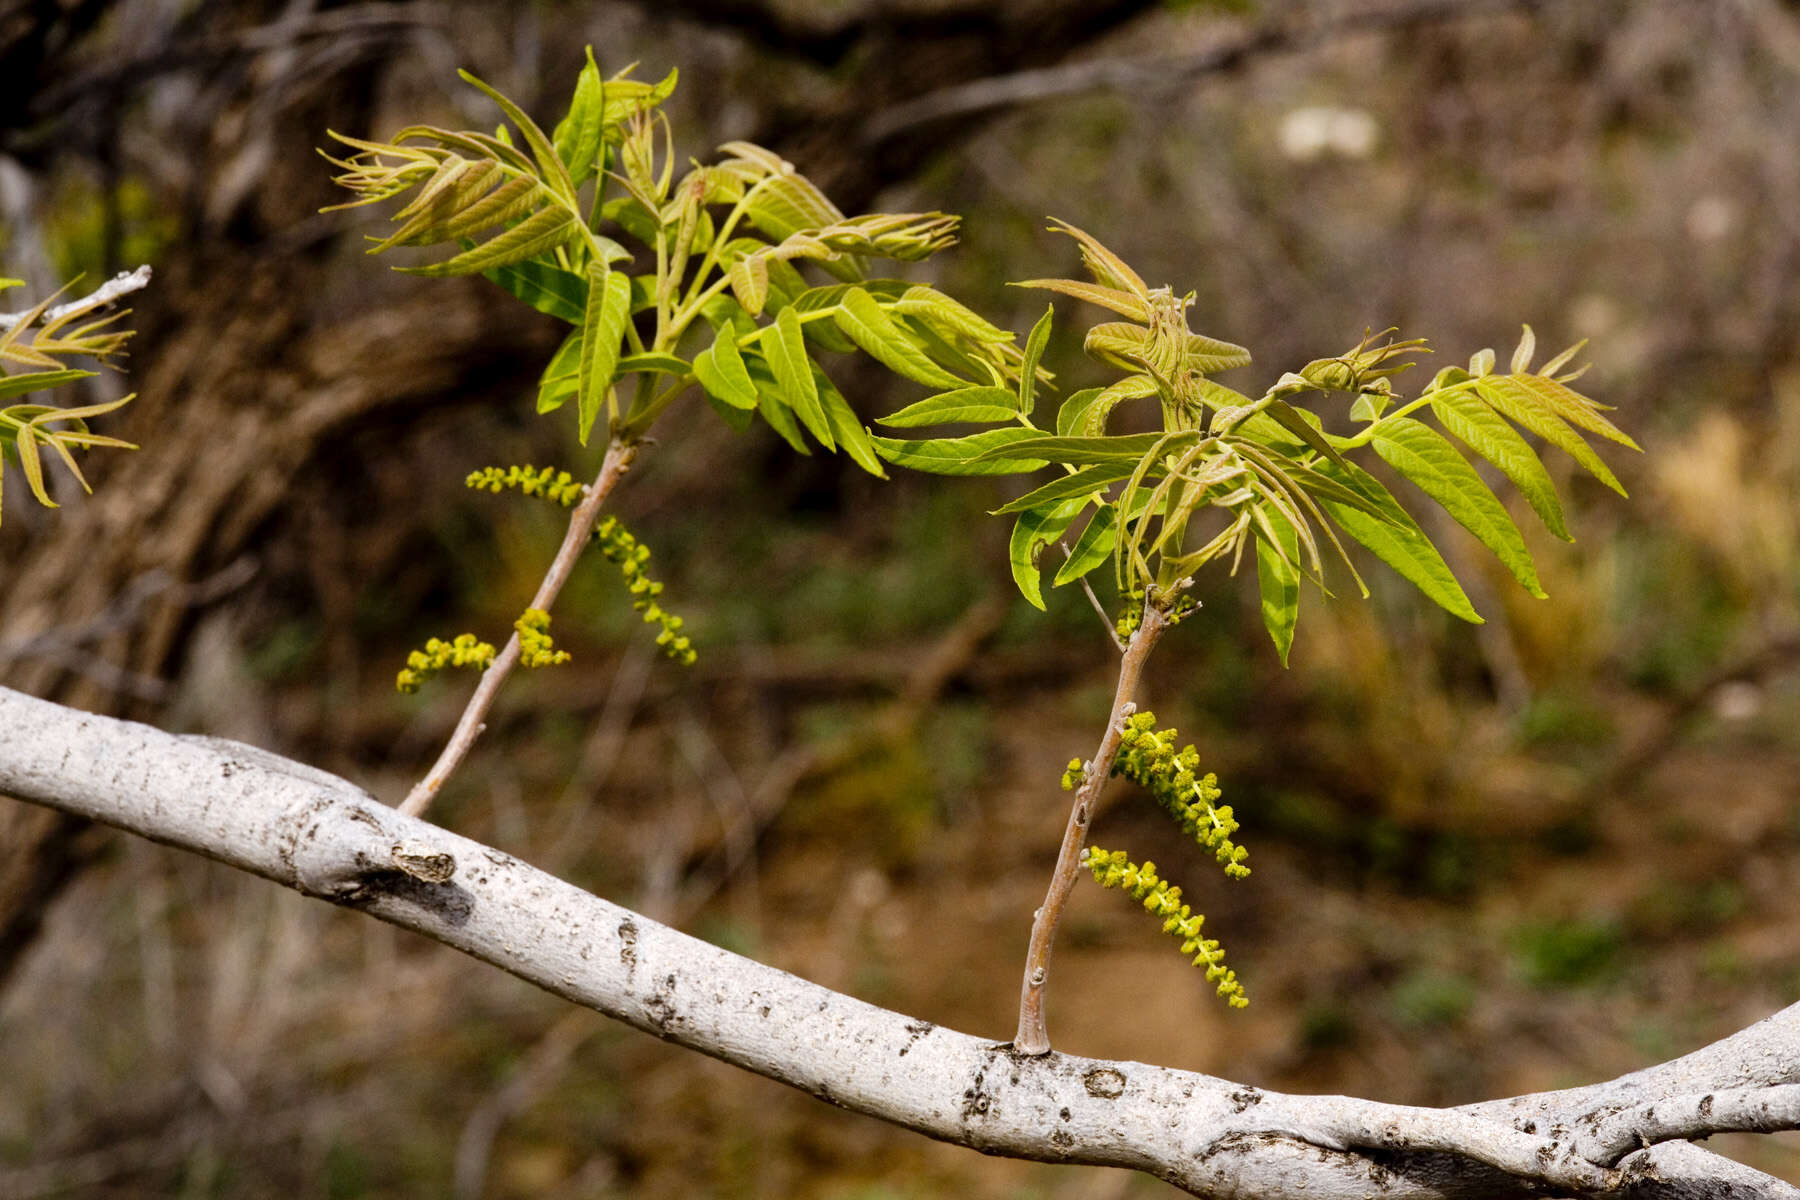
[1146, 77]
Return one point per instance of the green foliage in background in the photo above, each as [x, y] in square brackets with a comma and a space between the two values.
[44, 352]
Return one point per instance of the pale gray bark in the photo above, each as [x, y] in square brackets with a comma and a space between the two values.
[323, 836]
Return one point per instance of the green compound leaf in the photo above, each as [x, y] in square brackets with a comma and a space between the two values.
[784, 345]
[1035, 529]
[959, 456]
[865, 323]
[722, 373]
[1397, 541]
[1082, 483]
[1034, 352]
[1093, 547]
[1525, 407]
[1427, 459]
[1278, 578]
[972, 405]
[1487, 434]
[602, 325]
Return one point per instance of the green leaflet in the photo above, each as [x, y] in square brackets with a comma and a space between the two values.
[749, 278]
[822, 334]
[1072, 416]
[1121, 302]
[1082, 483]
[577, 137]
[1397, 541]
[1091, 420]
[1295, 422]
[969, 404]
[628, 96]
[1524, 407]
[784, 345]
[1278, 579]
[549, 289]
[555, 175]
[1129, 346]
[1566, 403]
[1034, 352]
[721, 371]
[786, 286]
[560, 379]
[772, 406]
[1034, 529]
[1487, 434]
[944, 350]
[1428, 460]
[1124, 449]
[863, 322]
[454, 205]
[653, 362]
[1093, 547]
[931, 306]
[958, 456]
[846, 426]
[786, 204]
[602, 325]
[543, 230]
[31, 381]
[1209, 355]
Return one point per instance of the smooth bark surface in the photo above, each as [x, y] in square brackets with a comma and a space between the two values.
[325, 837]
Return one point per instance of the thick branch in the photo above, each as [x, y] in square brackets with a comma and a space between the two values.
[323, 836]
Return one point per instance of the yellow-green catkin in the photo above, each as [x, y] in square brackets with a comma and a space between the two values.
[535, 646]
[1147, 756]
[1160, 898]
[547, 482]
[464, 650]
[630, 555]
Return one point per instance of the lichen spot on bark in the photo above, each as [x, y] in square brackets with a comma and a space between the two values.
[1105, 1083]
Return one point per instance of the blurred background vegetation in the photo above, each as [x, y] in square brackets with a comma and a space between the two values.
[1490, 860]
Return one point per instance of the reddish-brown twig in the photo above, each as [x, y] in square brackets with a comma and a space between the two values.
[1034, 1036]
[619, 455]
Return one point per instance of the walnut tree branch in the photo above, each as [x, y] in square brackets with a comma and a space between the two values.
[325, 837]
